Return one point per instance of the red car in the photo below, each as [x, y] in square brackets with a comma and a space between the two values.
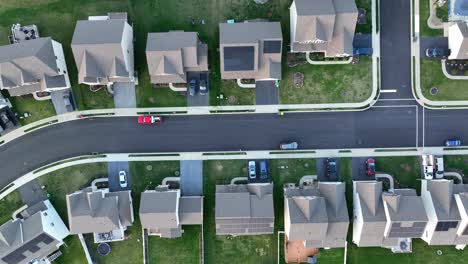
[148, 119]
[370, 167]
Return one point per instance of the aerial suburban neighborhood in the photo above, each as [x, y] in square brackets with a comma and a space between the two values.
[233, 131]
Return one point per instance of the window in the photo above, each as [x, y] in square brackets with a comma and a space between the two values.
[272, 46]
[446, 225]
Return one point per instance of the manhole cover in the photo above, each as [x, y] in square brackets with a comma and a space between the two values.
[104, 249]
[177, 173]
[149, 167]
[434, 90]
[232, 99]
[439, 252]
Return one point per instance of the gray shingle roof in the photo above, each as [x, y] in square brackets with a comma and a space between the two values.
[24, 67]
[323, 26]
[242, 51]
[93, 211]
[244, 209]
[171, 54]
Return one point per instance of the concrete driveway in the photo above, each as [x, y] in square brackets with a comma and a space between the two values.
[432, 42]
[124, 95]
[359, 169]
[322, 170]
[191, 177]
[198, 99]
[113, 169]
[266, 93]
[62, 101]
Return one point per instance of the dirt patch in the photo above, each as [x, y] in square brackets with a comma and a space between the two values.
[298, 79]
[295, 59]
[219, 166]
[232, 99]
[152, 100]
[406, 167]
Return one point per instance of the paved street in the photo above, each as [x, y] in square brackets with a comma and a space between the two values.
[113, 169]
[395, 49]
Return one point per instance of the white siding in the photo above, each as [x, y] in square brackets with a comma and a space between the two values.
[293, 20]
[53, 224]
[61, 64]
[127, 49]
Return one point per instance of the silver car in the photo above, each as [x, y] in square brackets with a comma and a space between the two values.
[252, 170]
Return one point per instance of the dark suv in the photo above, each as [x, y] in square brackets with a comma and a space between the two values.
[437, 53]
[192, 87]
[330, 164]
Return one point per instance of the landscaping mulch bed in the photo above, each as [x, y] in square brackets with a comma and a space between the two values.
[298, 79]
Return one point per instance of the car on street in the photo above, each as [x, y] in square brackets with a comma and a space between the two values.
[149, 119]
[330, 165]
[123, 179]
[252, 170]
[289, 145]
[263, 170]
[370, 167]
[437, 53]
[192, 87]
[454, 142]
[203, 84]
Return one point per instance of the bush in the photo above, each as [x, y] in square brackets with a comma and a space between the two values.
[442, 12]
[453, 71]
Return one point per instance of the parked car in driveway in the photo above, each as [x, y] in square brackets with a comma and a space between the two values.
[437, 53]
[263, 170]
[439, 167]
[454, 142]
[370, 167]
[289, 145]
[192, 87]
[252, 170]
[428, 166]
[123, 179]
[203, 84]
[149, 119]
[330, 165]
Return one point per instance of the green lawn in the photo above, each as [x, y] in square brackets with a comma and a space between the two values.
[161, 250]
[85, 99]
[406, 171]
[423, 16]
[365, 28]
[148, 96]
[8, 205]
[36, 109]
[72, 252]
[456, 163]
[448, 89]
[349, 83]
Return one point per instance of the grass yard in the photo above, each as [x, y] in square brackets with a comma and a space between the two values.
[148, 96]
[234, 95]
[365, 28]
[161, 250]
[85, 99]
[227, 249]
[448, 89]
[37, 109]
[349, 83]
[8, 205]
[426, 31]
[72, 253]
[456, 163]
[405, 170]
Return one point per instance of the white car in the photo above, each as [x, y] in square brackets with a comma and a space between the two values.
[439, 167]
[428, 166]
[252, 170]
[123, 179]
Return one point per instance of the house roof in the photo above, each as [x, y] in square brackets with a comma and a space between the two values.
[318, 214]
[244, 209]
[250, 50]
[404, 207]
[331, 22]
[442, 196]
[22, 240]
[159, 209]
[98, 49]
[93, 211]
[25, 64]
[458, 40]
[171, 54]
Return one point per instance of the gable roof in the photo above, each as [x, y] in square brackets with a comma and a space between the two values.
[458, 40]
[159, 209]
[100, 48]
[94, 211]
[24, 66]
[323, 26]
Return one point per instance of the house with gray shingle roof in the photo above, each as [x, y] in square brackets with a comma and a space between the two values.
[250, 50]
[244, 209]
[105, 214]
[386, 219]
[32, 66]
[171, 55]
[323, 26]
[103, 50]
[163, 211]
[34, 237]
[446, 205]
[316, 215]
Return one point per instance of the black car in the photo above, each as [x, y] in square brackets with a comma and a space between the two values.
[330, 165]
[437, 53]
[192, 87]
